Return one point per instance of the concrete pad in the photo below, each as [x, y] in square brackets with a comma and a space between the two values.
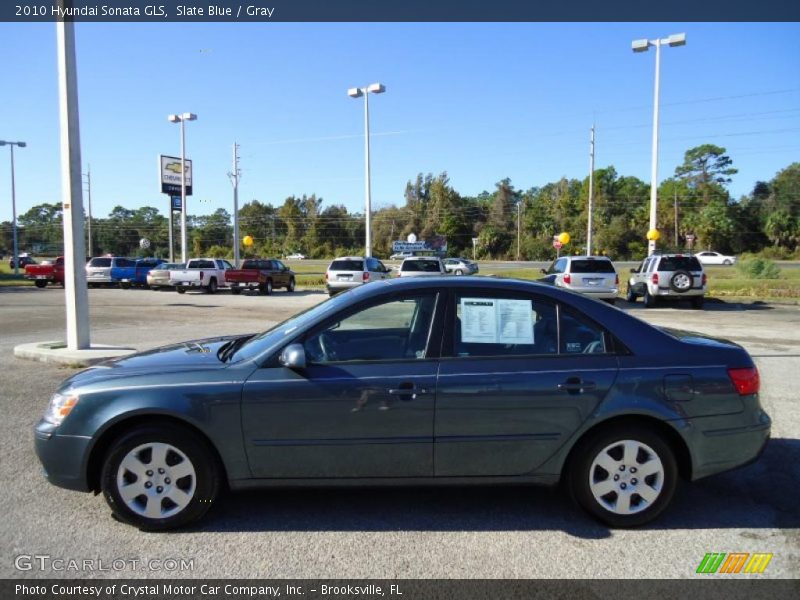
[57, 352]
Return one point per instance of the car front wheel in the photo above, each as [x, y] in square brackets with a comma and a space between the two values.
[625, 476]
[40, 283]
[630, 296]
[290, 287]
[649, 300]
[160, 477]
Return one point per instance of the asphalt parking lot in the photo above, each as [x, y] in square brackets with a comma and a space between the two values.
[514, 532]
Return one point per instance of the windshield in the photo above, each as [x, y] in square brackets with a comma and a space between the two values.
[100, 262]
[276, 334]
[676, 263]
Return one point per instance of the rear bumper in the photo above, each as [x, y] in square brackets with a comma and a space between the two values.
[720, 450]
[63, 457]
[338, 286]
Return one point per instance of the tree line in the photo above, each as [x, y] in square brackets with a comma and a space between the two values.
[694, 206]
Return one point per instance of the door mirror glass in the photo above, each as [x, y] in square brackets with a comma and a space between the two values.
[293, 357]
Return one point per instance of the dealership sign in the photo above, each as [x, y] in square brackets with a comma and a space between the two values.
[169, 168]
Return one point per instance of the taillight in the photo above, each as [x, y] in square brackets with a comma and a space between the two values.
[704, 278]
[365, 276]
[567, 278]
[746, 381]
[655, 278]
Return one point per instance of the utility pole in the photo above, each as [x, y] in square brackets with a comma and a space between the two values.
[591, 194]
[89, 199]
[519, 228]
[234, 177]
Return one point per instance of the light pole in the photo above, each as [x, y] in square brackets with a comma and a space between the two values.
[181, 119]
[676, 39]
[14, 201]
[375, 88]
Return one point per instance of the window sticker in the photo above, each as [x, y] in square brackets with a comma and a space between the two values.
[496, 321]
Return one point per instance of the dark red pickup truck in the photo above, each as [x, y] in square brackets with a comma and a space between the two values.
[47, 272]
[262, 274]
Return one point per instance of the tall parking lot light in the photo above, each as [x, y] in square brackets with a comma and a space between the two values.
[187, 116]
[676, 39]
[14, 201]
[375, 88]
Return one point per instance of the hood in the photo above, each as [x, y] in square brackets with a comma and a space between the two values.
[192, 355]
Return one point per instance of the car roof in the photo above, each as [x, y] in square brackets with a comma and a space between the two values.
[584, 257]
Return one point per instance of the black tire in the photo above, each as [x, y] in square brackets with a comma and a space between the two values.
[630, 296]
[39, 283]
[611, 301]
[124, 285]
[608, 443]
[727, 262]
[212, 286]
[649, 300]
[680, 282]
[180, 290]
[154, 287]
[290, 287]
[266, 287]
[236, 290]
[697, 302]
[202, 486]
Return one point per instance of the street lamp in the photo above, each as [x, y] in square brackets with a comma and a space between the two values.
[181, 119]
[14, 201]
[375, 88]
[676, 39]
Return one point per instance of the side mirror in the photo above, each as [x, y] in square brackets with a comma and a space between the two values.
[634, 270]
[543, 271]
[293, 357]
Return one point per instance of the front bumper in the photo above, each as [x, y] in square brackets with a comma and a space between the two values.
[63, 457]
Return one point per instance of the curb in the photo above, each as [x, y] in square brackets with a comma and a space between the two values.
[56, 352]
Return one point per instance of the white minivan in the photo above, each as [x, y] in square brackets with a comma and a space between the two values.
[351, 271]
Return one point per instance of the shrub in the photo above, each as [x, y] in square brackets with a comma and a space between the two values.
[758, 268]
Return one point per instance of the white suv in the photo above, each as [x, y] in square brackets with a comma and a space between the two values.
[668, 276]
[351, 271]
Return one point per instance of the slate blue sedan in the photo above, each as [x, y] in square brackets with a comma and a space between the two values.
[413, 381]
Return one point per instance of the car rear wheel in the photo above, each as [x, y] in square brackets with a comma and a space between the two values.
[697, 302]
[625, 476]
[125, 285]
[649, 300]
[630, 296]
[290, 287]
[154, 287]
[40, 284]
[212, 286]
[236, 290]
[158, 477]
[266, 287]
[180, 290]
[727, 262]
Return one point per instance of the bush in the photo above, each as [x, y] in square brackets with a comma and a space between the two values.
[758, 268]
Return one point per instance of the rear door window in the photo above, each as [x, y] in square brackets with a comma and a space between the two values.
[100, 262]
[680, 263]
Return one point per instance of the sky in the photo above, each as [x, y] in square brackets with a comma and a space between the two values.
[481, 101]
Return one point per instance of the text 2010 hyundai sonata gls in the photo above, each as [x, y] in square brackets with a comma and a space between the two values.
[406, 382]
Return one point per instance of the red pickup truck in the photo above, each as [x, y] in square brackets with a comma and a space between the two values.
[47, 272]
[264, 275]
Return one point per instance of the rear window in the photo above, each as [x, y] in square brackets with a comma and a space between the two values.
[426, 266]
[679, 263]
[100, 262]
[592, 266]
[347, 265]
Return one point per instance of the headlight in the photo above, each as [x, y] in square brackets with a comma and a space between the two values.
[60, 406]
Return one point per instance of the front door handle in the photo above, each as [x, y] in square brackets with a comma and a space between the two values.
[408, 391]
[576, 385]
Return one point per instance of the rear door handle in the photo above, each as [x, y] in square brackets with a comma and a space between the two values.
[576, 385]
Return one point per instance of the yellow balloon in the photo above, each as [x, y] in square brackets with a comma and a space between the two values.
[653, 234]
[564, 238]
[247, 240]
